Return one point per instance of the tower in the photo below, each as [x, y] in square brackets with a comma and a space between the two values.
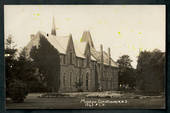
[53, 31]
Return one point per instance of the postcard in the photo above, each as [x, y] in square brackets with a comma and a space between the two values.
[85, 56]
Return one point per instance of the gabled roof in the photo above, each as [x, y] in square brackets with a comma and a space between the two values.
[61, 44]
[80, 49]
[97, 55]
[58, 42]
[86, 37]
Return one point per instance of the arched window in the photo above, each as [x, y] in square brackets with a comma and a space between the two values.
[81, 78]
[64, 59]
[70, 57]
[87, 81]
[88, 60]
[77, 77]
[70, 78]
[64, 80]
[106, 82]
[111, 83]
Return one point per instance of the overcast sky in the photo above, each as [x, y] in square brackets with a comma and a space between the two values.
[126, 29]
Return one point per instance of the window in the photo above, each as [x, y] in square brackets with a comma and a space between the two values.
[81, 62]
[77, 78]
[80, 78]
[106, 83]
[64, 80]
[111, 82]
[87, 81]
[70, 78]
[88, 61]
[60, 59]
[70, 58]
[94, 65]
[64, 59]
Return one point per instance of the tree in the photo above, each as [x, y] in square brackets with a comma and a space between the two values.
[127, 74]
[124, 62]
[46, 59]
[151, 71]
[15, 87]
[26, 72]
[10, 61]
[19, 72]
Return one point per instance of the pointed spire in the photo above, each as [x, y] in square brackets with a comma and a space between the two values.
[70, 35]
[53, 31]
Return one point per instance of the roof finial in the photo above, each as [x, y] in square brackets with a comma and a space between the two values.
[53, 31]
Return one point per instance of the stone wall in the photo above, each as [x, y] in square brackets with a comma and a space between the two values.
[109, 79]
[71, 73]
[90, 75]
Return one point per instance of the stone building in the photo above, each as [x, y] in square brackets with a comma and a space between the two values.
[79, 62]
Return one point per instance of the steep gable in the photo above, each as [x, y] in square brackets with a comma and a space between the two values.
[86, 37]
[70, 51]
[70, 45]
[80, 48]
[87, 50]
[58, 42]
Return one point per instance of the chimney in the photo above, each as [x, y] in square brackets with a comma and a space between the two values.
[109, 56]
[101, 51]
[32, 36]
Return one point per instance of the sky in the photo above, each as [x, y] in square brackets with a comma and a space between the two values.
[126, 29]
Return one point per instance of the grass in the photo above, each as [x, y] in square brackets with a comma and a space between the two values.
[73, 101]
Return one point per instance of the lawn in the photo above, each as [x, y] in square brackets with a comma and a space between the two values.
[90, 100]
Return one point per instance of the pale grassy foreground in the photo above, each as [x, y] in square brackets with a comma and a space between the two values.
[88, 100]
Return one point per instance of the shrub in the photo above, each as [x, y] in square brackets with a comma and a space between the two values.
[17, 91]
[78, 85]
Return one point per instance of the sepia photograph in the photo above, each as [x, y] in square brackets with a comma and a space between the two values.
[85, 56]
